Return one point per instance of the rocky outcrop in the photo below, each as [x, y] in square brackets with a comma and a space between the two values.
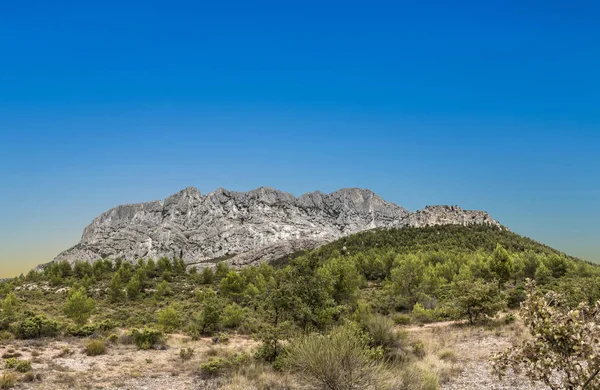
[246, 227]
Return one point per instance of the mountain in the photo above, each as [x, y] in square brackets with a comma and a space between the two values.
[245, 227]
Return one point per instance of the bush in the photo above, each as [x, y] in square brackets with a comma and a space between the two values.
[8, 380]
[381, 332]
[95, 348]
[6, 336]
[233, 316]
[217, 366]
[415, 378]
[36, 326]
[81, 331]
[18, 365]
[340, 360]
[146, 338]
[79, 306]
[221, 338]
[423, 315]
[510, 318]
[401, 319]
[113, 339]
[186, 353]
[169, 318]
[418, 349]
[563, 350]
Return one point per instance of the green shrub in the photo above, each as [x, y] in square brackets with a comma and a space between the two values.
[18, 365]
[217, 366]
[36, 326]
[146, 338]
[6, 336]
[381, 332]
[416, 378]
[233, 316]
[113, 338]
[79, 306]
[169, 318]
[95, 348]
[418, 349]
[186, 353]
[401, 319]
[510, 318]
[423, 315]
[8, 380]
[340, 360]
[221, 338]
[213, 367]
[81, 331]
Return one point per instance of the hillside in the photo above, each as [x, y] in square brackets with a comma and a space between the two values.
[441, 238]
[368, 288]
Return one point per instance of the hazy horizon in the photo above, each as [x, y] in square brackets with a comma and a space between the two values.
[490, 106]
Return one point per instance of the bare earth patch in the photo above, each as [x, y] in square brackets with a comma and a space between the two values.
[64, 364]
[472, 347]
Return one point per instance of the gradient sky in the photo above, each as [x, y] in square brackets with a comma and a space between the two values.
[491, 105]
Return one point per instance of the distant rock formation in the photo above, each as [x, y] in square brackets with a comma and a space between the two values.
[246, 227]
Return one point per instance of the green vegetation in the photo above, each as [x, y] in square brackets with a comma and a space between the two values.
[95, 347]
[564, 349]
[348, 295]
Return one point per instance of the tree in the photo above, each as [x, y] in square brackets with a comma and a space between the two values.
[163, 289]
[9, 307]
[501, 264]
[564, 349]
[115, 288]
[475, 298]
[134, 287]
[343, 277]
[169, 318]
[406, 279]
[208, 275]
[79, 306]
[209, 319]
[232, 286]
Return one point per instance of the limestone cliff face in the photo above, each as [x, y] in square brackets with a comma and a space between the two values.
[246, 227]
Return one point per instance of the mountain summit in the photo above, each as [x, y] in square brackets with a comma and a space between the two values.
[246, 227]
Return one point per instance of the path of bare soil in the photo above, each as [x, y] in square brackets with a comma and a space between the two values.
[473, 347]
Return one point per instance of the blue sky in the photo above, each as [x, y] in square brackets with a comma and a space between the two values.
[488, 105]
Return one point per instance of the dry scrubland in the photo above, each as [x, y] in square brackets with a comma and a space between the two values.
[457, 354]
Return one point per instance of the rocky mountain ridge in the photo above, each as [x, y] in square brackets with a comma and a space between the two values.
[247, 227]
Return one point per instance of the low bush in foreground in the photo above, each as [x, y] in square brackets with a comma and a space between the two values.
[36, 326]
[340, 360]
[146, 338]
[18, 365]
[8, 380]
[217, 366]
[95, 348]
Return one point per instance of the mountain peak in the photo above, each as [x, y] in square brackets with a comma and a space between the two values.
[259, 225]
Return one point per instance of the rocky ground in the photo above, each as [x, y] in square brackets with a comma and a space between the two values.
[458, 354]
[472, 347]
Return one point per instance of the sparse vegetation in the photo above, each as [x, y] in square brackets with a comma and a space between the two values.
[95, 348]
[8, 380]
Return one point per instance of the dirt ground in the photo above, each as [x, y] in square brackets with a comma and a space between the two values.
[458, 354]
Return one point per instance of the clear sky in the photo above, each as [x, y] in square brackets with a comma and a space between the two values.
[491, 105]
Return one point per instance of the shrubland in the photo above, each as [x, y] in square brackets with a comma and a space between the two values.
[329, 316]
